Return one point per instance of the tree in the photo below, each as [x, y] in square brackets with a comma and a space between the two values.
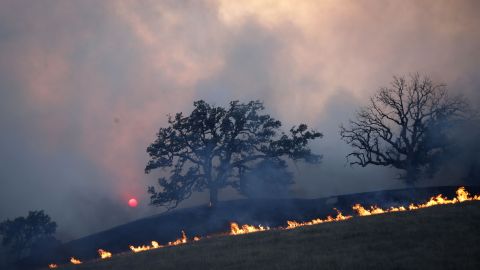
[215, 147]
[23, 233]
[405, 126]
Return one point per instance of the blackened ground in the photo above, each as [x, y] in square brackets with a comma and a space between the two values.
[206, 221]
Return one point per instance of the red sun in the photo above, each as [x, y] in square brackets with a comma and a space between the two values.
[132, 202]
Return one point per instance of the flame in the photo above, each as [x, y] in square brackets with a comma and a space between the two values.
[295, 224]
[462, 196]
[104, 254]
[361, 211]
[154, 245]
[75, 261]
[397, 209]
[52, 266]
[179, 241]
[235, 229]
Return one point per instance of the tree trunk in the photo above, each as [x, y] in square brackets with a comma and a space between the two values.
[213, 196]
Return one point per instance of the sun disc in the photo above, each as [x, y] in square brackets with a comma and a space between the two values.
[132, 202]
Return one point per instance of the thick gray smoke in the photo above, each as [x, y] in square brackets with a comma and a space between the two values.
[84, 86]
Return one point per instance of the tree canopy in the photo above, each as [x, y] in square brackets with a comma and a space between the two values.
[22, 233]
[215, 147]
[404, 126]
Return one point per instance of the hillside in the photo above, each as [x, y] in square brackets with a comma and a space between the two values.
[203, 220]
[441, 237]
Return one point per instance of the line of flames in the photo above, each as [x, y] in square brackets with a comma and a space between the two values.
[155, 244]
[294, 224]
[235, 229]
[462, 196]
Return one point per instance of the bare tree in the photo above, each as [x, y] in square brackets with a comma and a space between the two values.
[405, 126]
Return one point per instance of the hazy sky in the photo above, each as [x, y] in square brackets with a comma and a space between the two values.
[85, 85]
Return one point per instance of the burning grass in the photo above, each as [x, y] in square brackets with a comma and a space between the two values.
[104, 254]
[462, 196]
[75, 261]
[235, 229]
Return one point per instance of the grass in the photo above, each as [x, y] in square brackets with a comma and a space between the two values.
[441, 237]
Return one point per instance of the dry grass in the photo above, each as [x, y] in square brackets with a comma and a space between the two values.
[443, 237]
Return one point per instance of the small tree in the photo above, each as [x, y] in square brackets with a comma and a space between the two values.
[21, 234]
[215, 147]
[405, 126]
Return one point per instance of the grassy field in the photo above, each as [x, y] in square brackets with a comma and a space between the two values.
[442, 237]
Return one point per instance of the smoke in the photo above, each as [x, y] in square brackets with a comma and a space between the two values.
[461, 160]
[85, 85]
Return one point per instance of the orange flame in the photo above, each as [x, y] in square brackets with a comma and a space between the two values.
[52, 266]
[104, 254]
[179, 241]
[339, 217]
[235, 229]
[361, 211]
[75, 261]
[154, 245]
[462, 196]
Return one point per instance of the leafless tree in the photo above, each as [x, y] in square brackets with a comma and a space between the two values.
[404, 126]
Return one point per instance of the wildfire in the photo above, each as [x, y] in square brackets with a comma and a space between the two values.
[179, 241]
[235, 229]
[104, 254]
[75, 261]
[154, 245]
[295, 224]
[374, 210]
[461, 196]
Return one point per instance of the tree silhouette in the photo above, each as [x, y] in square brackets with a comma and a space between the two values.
[405, 126]
[23, 233]
[215, 147]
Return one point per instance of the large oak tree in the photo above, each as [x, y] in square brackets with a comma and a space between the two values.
[215, 147]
